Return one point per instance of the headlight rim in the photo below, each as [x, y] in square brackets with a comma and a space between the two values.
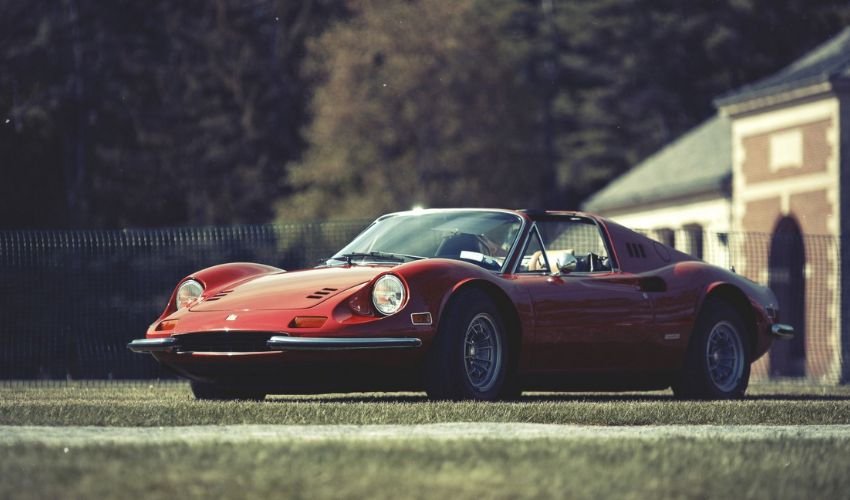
[183, 304]
[404, 294]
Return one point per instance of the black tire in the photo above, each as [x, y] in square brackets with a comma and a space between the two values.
[717, 364]
[469, 359]
[219, 392]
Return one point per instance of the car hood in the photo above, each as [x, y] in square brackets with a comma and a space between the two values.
[293, 290]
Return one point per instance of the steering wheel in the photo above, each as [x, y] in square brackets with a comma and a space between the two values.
[486, 262]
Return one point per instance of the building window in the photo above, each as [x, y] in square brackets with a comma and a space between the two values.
[694, 236]
[666, 236]
[786, 150]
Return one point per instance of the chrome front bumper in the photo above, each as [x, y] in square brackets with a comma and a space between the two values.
[782, 331]
[339, 344]
[284, 343]
[152, 345]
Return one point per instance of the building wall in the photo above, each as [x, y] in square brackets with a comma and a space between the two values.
[786, 164]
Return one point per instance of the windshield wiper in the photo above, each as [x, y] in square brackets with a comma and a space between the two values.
[381, 256]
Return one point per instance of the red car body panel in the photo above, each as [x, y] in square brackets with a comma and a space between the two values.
[625, 328]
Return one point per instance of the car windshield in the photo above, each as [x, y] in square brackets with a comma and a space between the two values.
[481, 237]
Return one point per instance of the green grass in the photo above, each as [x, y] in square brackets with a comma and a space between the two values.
[667, 467]
[673, 468]
[172, 404]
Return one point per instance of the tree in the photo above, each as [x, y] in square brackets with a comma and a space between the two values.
[228, 109]
[128, 113]
[419, 103]
[151, 113]
[423, 103]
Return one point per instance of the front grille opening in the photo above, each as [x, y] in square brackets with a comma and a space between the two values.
[223, 342]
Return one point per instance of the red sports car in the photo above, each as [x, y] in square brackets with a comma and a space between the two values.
[471, 304]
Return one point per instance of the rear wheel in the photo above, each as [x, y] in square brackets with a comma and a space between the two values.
[220, 392]
[469, 358]
[717, 365]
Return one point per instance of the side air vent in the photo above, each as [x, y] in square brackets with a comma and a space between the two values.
[219, 295]
[636, 250]
[320, 294]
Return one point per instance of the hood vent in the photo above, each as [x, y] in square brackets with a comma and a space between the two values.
[218, 295]
[320, 294]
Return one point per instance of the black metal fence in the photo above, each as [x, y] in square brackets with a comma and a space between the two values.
[71, 300]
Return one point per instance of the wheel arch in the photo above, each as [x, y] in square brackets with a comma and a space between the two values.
[503, 302]
[736, 298]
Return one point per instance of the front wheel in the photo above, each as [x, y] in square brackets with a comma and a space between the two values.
[717, 365]
[469, 358]
[220, 392]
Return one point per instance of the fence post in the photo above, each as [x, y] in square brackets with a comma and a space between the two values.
[844, 237]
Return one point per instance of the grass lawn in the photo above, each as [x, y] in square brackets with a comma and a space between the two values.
[629, 468]
[415, 467]
[172, 404]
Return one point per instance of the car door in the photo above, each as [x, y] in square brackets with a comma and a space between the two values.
[586, 318]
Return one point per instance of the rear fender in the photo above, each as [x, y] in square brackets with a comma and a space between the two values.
[743, 305]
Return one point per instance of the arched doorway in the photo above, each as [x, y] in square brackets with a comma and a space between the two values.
[787, 280]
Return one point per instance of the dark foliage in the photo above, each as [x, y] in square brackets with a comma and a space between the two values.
[128, 113]
[150, 113]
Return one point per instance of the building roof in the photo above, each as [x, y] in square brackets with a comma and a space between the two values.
[827, 63]
[699, 162]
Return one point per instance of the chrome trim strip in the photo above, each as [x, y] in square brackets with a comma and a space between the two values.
[533, 228]
[782, 331]
[531, 232]
[152, 345]
[339, 344]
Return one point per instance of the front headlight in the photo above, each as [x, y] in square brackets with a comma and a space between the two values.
[188, 292]
[388, 294]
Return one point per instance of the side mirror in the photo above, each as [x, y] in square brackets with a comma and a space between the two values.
[566, 263]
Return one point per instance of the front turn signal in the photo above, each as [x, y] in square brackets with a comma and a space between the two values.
[307, 322]
[166, 326]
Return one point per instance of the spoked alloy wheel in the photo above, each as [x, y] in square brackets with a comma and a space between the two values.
[724, 355]
[717, 363]
[482, 352]
[469, 358]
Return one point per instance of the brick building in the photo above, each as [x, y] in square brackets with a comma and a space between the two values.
[680, 194]
[786, 158]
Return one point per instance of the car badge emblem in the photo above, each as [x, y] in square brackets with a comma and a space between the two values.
[232, 317]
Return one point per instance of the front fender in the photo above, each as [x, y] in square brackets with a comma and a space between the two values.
[434, 281]
[221, 277]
